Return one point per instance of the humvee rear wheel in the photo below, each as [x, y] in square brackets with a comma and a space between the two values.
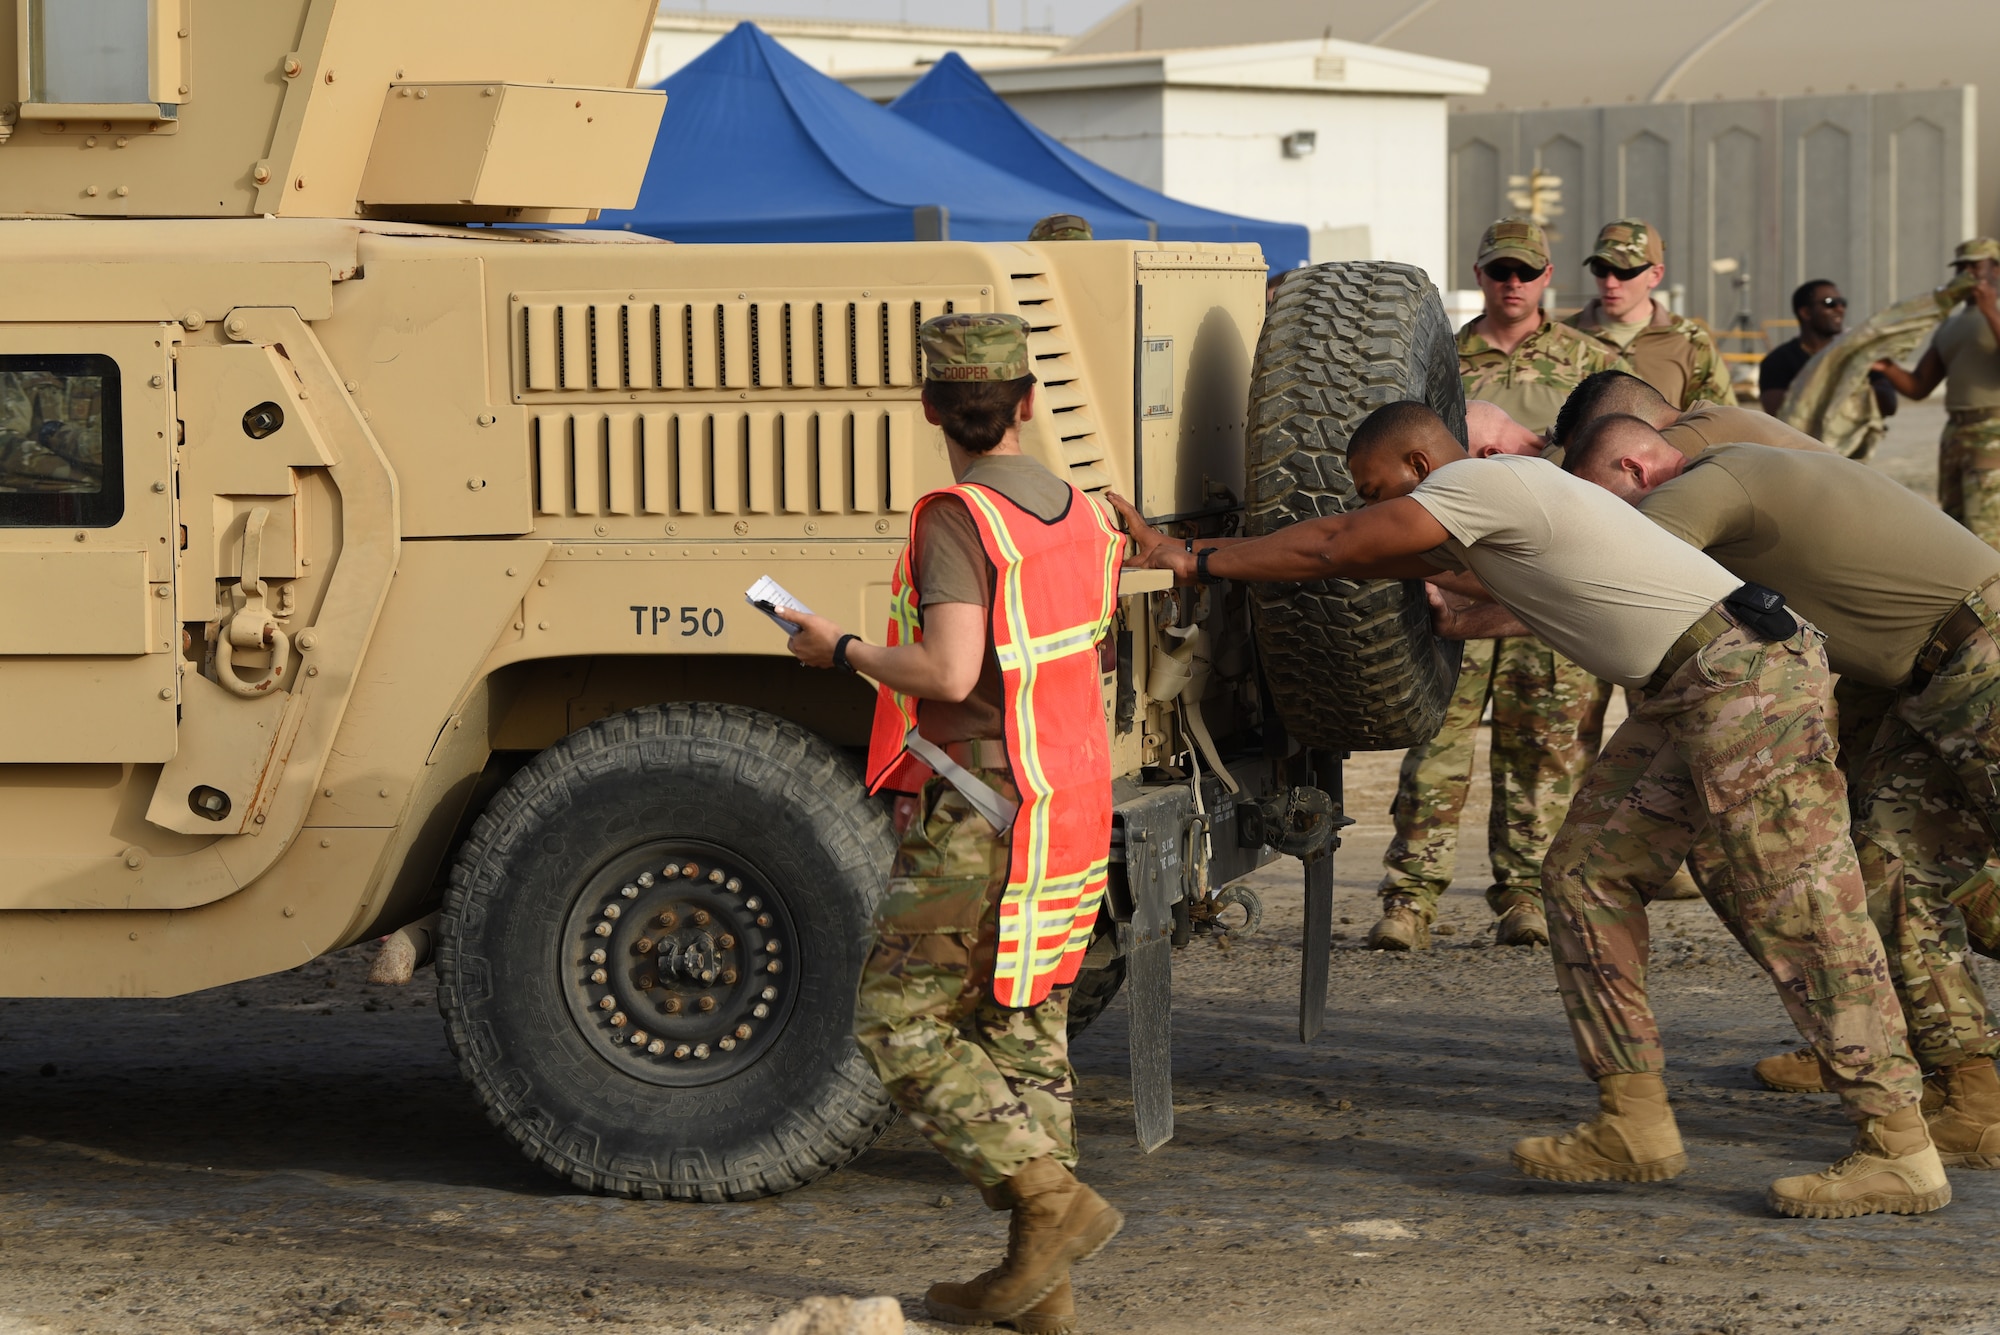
[1093, 992]
[648, 955]
[1352, 663]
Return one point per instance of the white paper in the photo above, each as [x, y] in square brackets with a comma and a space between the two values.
[768, 590]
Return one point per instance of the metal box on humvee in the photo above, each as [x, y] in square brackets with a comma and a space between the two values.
[361, 561]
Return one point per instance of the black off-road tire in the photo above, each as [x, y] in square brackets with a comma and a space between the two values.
[1352, 663]
[708, 814]
[1093, 992]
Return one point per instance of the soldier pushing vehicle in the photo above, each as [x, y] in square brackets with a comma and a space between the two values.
[1515, 357]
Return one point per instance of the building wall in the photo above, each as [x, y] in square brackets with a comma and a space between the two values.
[1378, 163]
[1118, 128]
[1871, 190]
[1374, 187]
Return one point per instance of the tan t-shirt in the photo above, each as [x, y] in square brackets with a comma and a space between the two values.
[950, 565]
[1707, 425]
[1964, 342]
[1599, 582]
[1872, 564]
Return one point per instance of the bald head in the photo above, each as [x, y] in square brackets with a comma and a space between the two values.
[1396, 447]
[1610, 392]
[1623, 454]
[1489, 430]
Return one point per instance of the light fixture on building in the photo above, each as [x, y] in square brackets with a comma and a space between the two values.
[1300, 143]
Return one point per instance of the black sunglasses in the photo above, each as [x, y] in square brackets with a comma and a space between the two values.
[1603, 269]
[1833, 303]
[1501, 270]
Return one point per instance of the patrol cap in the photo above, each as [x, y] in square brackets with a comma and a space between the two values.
[1979, 248]
[975, 345]
[1629, 243]
[1514, 239]
[1061, 227]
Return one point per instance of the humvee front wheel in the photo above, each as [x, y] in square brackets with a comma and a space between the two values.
[649, 949]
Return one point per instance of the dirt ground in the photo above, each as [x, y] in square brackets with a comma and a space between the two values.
[298, 1154]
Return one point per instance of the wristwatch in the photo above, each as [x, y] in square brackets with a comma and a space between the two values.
[1201, 575]
[840, 652]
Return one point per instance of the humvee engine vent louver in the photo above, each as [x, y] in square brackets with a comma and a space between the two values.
[1061, 386]
[744, 461]
[680, 345]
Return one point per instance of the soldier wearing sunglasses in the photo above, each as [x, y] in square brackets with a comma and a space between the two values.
[1822, 316]
[1671, 353]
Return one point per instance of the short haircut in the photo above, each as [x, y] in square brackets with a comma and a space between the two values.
[1392, 424]
[1599, 441]
[1802, 295]
[1602, 393]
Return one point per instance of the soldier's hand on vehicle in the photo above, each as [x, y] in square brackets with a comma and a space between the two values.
[1152, 549]
[816, 637]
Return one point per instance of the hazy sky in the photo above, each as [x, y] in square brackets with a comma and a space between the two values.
[1063, 16]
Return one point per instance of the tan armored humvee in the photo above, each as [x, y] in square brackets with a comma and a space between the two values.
[362, 562]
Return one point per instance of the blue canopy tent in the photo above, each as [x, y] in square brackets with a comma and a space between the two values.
[954, 103]
[757, 145]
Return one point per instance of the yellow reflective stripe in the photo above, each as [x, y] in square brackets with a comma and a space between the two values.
[1024, 654]
[904, 619]
[1033, 780]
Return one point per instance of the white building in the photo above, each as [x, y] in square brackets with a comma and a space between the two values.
[1346, 138]
[834, 47]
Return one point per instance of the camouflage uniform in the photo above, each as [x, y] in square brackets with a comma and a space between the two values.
[1927, 816]
[1532, 381]
[989, 1085]
[1538, 697]
[1737, 739]
[1673, 354]
[1969, 471]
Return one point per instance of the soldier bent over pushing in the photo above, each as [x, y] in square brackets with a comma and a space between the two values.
[1733, 733]
[1902, 594]
[1514, 356]
[990, 729]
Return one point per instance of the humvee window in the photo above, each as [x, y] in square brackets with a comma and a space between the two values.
[60, 442]
[89, 51]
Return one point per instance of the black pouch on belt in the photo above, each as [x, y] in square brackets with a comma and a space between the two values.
[1763, 610]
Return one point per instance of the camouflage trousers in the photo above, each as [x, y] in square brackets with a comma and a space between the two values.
[1540, 699]
[1736, 740]
[1927, 813]
[1969, 472]
[989, 1085]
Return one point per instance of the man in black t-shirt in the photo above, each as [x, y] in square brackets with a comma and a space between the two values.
[1822, 315]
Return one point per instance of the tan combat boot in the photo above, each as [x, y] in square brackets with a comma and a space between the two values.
[1402, 926]
[1632, 1139]
[1893, 1169]
[1797, 1072]
[1053, 1315]
[1522, 925]
[1966, 1130]
[1057, 1221]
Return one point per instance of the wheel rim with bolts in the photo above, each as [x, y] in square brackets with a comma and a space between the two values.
[678, 962]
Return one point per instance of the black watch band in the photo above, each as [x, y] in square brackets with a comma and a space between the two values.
[1201, 575]
[840, 652]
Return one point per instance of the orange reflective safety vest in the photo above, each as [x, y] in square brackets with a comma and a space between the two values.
[1055, 585]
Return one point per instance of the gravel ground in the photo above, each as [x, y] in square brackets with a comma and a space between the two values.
[297, 1154]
